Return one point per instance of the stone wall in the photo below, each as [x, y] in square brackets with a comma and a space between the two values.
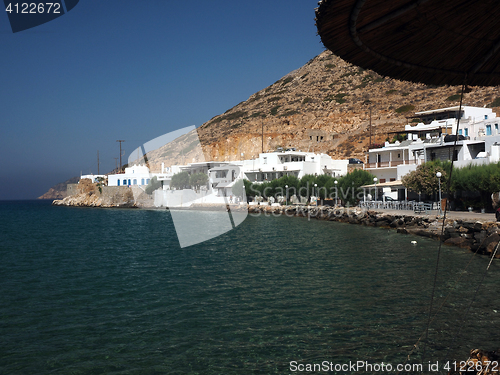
[88, 194]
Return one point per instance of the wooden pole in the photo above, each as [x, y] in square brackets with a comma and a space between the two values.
[120, 140]
[262, 137]
[370, 127]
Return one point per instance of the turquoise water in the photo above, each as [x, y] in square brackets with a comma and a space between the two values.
[109, 291]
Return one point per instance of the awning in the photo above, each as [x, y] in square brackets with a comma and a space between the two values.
[430, 41]
[393, 184]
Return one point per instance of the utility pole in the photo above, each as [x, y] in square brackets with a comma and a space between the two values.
[120, 140]
[262, 137]
[370, 127]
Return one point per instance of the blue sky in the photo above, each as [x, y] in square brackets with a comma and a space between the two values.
[134, 70]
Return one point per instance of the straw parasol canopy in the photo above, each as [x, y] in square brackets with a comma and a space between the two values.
[430, 41]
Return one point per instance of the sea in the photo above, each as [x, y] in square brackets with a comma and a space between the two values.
[110, 291]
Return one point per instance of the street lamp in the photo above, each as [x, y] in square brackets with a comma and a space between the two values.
[375, 179]
[336, 192]
[438, 175]
[286, 194]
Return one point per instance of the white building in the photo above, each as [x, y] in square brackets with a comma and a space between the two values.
[135, 175]
[93, 177]
[433, 139]
[273, 165]
[223, 175]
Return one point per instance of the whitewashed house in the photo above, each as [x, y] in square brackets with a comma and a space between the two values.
[273, 165]
[134, 175]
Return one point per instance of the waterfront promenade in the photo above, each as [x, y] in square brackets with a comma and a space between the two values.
[452, 215]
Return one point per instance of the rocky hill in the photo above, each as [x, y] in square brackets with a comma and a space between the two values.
[59, 191]
[324, 106]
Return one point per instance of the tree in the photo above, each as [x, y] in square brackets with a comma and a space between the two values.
[477, 182]
[153, 185]
[349, 186]
[306, 185]
[238, 188]
[424, 180]
[180, 180]
[197, 179]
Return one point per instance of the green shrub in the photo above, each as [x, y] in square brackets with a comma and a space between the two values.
[273, 99]
[405, 108]
[274, 110]
[494, 103]
[453, 98]
[180, 180]
[289, 112]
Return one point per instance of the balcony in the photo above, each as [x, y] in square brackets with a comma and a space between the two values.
[389, 164]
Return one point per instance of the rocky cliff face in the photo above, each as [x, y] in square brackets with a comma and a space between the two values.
[323, 106]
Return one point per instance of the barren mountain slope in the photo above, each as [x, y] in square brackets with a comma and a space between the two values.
[323, 106]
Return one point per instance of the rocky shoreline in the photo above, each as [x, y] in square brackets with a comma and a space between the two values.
[482, 237]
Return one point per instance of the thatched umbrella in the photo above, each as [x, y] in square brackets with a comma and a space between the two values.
[430, 41]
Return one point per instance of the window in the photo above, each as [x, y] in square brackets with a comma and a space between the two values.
[221, 174]
[486, 117]
[496, 128]
[466, 132]
[392, 179]
[455, 155]
[135, 181]
[382, 180]
[124, 182]
[129, 182]
[142, 181]
[488, 129]
[265, 160]
[147, 181]
[399, 156]
[118, 182]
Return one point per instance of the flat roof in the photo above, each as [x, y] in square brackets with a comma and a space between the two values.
[455, 108]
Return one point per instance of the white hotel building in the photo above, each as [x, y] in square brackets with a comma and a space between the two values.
[433, 139]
